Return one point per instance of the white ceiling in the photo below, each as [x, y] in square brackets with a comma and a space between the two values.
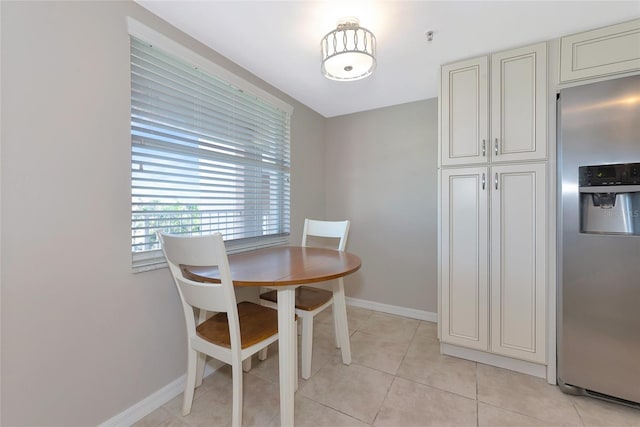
[279, 41]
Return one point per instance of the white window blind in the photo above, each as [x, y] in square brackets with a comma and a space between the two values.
[205, 156]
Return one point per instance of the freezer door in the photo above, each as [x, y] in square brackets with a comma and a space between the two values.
[599, 275]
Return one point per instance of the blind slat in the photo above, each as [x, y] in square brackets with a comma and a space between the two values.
[184, 77]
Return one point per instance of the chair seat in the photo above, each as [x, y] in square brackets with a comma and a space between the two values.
[307, 298]
[257, 323]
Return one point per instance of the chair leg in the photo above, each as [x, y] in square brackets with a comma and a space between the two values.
[192, 361]
[236, 412]
[336, 323]
[246, 364]
[307, 346]
[262, 354]
[295, 359]
[340, 308]
[202, 360]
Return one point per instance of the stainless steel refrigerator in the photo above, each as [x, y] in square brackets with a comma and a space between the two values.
[599, 239]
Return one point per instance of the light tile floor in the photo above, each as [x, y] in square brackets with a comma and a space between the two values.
[397, 378]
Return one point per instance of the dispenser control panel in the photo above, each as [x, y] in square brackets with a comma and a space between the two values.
[617, 174]
[610, 199]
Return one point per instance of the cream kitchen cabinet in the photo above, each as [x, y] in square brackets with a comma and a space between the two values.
[464, 112]
[515, 109]
[493, 259]
[518, 104]
[600, 52]
[518, 261]
[465, 257]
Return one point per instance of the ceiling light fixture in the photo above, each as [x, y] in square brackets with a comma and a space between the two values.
[348, 52]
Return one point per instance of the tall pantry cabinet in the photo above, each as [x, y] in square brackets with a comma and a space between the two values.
[493, 209]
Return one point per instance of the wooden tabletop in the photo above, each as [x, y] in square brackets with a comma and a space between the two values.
[280, 266]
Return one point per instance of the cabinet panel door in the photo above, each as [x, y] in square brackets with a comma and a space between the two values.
[464, 268]
[601, 52]
[464, 112]
[518, 264]
[518, 104]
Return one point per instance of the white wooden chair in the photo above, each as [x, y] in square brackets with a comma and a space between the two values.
[311, 300]
[232, 335]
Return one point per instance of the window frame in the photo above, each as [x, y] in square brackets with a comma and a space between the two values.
[154, 259]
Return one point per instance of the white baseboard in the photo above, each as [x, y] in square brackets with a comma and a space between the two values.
[155, 400]
[516, 365]
[393, 309]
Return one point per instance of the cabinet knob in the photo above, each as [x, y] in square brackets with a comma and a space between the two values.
[496, 180]
[484, 181]
[496, 146]
[484, 148]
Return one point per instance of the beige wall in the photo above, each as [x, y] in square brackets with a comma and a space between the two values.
[381, 174]
[83, 338]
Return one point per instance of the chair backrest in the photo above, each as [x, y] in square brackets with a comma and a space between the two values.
[334, 229]
[208, 250]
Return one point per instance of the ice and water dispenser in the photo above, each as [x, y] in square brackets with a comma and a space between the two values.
[610, 199]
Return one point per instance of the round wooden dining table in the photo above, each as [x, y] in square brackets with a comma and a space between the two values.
[285, 268]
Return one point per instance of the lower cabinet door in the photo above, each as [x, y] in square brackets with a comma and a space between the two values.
[464, 260]
[518, 261]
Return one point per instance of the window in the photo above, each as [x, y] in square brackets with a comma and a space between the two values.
[206, 156]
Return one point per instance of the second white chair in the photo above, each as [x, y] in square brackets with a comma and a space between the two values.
[232, 335]
[310, 301]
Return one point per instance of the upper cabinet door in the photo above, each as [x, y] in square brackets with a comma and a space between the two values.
[464, 112]
[601, 52]
[518, 104]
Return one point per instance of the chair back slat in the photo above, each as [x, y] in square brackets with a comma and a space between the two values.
[334, 229]
[206, 296]
[192, 250]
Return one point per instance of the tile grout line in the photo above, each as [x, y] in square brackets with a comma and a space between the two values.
[395, 376]
[477, 399]
[575, 408]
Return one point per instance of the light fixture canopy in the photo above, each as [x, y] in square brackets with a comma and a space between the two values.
[348, 52]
